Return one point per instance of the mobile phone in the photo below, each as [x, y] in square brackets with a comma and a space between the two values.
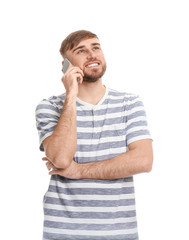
[65, 65]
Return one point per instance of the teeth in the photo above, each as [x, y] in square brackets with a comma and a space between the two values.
[92, 65]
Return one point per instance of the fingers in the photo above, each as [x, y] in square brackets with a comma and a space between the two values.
[45, 159]
[50, 166]
[55, 171]
[75, 70]
[72, 74]
[52, 169]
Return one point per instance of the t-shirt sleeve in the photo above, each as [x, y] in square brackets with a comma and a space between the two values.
[136, 122]
[47, 116]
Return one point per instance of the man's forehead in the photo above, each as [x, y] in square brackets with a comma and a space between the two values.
[87, 41]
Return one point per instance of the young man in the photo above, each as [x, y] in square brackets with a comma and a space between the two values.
[95, 139]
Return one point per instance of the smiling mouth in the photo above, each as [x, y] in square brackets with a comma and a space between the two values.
[92, 65]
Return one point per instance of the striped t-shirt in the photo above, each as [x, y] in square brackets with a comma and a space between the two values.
[89, 209]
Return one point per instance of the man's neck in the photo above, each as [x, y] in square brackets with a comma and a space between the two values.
[91, 92]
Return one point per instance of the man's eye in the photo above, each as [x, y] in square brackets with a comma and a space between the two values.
[95, 48]
[81, 51]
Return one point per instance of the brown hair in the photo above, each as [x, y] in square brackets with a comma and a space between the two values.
[74, 39]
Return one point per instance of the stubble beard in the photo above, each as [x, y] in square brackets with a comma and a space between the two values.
[94, 76]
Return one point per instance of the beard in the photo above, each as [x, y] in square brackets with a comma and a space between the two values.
[95, 75]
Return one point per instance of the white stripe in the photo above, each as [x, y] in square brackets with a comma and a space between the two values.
[125, 95]
[91, 185]
[47, 111]
[135, 109]
[90, 233]
[90, 197]
[118, 127]
[137, 119]
[89, 209]
[89, 221]
[138, 128]
[142, 137]
[49, 125]
[99, 117]
[101, 152]
[101, 140]
[101, 107]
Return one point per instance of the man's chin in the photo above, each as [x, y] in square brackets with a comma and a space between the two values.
[93, 77]
[90, 78]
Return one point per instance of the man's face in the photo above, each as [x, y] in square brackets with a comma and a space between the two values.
[88, 56]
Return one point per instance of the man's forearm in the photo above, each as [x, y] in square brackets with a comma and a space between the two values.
[62, 144]
[125, 165]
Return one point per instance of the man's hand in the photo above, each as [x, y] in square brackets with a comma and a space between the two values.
[72, 172]
[70, 79]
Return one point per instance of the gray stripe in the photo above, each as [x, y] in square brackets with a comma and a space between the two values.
[137, 133]
[136, 124]
[46, 131]
[90, 215]
[101, 146]
[42, 125]
[115, 93]
[53, 236]
[113, 181]
[47, 115]
[87, 113]
[47, 106]
[113, 101]
[99, 227]
[103, 134]
[90, 203]
[136, 104]
[136, 114]
[97, 158]
[100, 123]
[91, 191]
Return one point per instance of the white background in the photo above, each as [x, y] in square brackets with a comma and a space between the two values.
[146, 44]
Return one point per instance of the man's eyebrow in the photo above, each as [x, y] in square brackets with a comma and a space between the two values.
[78, 48]
[94, 44]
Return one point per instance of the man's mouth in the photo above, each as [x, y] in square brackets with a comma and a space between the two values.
[92, 65]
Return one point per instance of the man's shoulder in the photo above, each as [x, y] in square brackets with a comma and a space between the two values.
[54, 100]
[126, 96]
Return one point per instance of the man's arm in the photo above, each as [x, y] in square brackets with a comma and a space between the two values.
[138, 159]
[61, 146]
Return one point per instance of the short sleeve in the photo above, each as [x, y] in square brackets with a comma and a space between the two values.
[47, 116]
[136, 122]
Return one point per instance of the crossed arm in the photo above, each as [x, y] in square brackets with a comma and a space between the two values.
[138, 159]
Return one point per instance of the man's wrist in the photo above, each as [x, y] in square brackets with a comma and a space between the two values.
[71, 96]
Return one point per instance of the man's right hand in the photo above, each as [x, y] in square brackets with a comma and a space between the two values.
[71, 79]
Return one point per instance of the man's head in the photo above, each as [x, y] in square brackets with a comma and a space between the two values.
[83, 50]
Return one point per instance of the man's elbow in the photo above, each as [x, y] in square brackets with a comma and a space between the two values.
[59, 157]
[148, 163]
[61, 162]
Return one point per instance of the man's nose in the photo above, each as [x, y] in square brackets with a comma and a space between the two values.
[90, 54]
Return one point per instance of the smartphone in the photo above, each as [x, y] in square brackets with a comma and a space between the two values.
[65, 65]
